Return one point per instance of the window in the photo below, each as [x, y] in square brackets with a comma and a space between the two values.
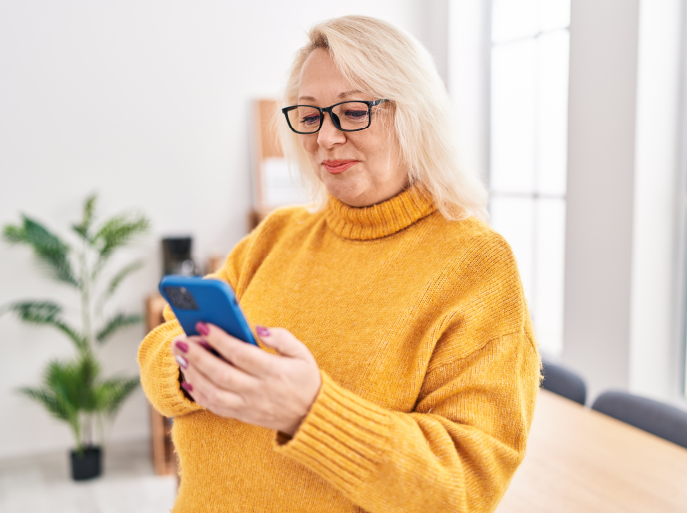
[528, 148]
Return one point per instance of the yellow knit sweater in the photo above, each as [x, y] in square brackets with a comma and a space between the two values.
[429, 367]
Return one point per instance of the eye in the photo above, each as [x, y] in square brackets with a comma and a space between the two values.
[310, 120]
[355, 114]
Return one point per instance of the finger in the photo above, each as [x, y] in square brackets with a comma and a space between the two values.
[247, 357]
[214, 398]
[181, 362]
[179, 338]
[220, 372]
[283, 341]
[185, 342]
[206, 345]
[179, 347]
[184, 385]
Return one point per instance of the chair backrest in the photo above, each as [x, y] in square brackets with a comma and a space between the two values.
[561, 381]
[652, 416]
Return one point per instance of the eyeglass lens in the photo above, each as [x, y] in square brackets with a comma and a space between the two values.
[349, 116]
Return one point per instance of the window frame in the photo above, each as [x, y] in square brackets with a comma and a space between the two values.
[533, 196]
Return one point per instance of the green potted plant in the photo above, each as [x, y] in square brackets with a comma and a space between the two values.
[74, 390]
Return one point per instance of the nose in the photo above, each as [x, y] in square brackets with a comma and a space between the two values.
[329, 135]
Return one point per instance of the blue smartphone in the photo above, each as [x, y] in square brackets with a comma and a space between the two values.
[211, 301]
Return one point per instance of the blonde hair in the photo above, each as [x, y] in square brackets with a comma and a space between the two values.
[386, 62]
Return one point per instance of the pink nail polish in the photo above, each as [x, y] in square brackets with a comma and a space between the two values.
[181, 361]
[182, 346]
[262, 331]
[187, 386]
[202, 328]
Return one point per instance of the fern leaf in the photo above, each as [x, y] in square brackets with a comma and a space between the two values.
[88, 216]
[119, 277]
[67, 391]
[112, 393]
[119, 231]
[51, 252]
[73, 382]
[47, 399]
[13, 234]
[36, 312]
[116, 323]
[46, 313]
[79, 340]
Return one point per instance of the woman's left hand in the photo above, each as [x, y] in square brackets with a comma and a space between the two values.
[252, 385]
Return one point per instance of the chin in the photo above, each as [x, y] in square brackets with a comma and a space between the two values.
[348, 191]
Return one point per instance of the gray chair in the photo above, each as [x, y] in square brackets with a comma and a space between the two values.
[561, 381]
[652, 416]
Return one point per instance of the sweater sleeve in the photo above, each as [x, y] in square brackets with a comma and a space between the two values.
[456, 452]
[159, 370]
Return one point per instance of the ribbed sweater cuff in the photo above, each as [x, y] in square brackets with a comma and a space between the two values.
[172, 394]
[342, 437]
[160, 373]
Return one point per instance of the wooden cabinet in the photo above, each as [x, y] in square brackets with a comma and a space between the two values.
[162, 448]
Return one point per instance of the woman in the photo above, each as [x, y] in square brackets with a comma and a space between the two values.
[400, 370]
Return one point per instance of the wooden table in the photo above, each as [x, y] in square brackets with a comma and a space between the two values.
[581, 461]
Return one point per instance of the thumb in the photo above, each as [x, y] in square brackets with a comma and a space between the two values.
[283, 341]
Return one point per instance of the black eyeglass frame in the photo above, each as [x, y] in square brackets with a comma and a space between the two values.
[332, 116]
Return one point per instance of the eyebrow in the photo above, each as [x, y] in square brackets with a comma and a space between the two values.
[340, 96]
[350, 93]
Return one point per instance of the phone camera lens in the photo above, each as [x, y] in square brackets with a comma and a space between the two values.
[181, 298]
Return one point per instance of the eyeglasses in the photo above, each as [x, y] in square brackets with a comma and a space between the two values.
[350, 116]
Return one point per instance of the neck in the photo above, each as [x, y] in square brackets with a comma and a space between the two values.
[381, 219]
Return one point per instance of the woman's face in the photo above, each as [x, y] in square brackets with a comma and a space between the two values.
[359, 168]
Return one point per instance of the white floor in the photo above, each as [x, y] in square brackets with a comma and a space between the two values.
[42, 483]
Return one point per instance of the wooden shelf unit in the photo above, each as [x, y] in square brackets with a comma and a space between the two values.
[162, 447]
[265, 145]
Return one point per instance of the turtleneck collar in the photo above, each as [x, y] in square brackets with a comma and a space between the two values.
[380, 220]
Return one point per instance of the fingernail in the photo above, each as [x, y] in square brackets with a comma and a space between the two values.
[181, 361]
[202, 328]
[187, 386]
[204, 344]
[182, 346]
[262, 331]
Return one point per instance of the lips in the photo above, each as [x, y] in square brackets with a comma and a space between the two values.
[336, 167]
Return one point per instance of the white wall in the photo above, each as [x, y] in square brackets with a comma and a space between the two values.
[623, 255]
[655, 322]
[433, 32]
[469, 54]
[600, 190]
[145, 102]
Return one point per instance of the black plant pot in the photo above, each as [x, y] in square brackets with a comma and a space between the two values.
[86, 465]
